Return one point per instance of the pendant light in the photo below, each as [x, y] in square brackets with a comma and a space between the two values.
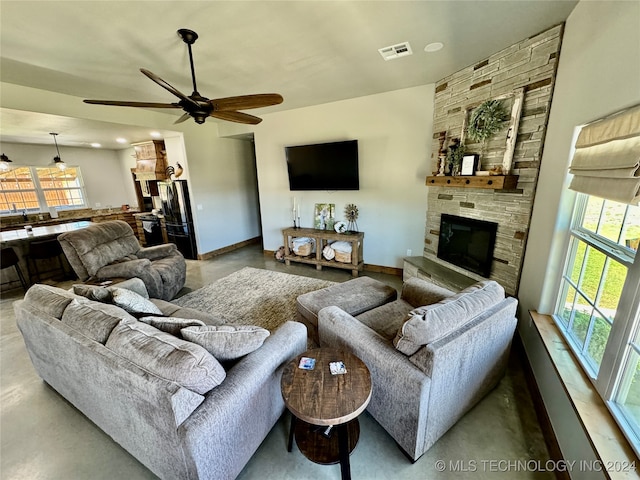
[57, 161]
[5, 163]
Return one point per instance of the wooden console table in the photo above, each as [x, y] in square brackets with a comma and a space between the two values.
[322, 238]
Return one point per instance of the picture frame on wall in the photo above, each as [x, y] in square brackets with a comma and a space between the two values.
[469, 164]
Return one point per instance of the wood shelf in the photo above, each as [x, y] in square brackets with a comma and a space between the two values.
[322, 238]
[495, 182]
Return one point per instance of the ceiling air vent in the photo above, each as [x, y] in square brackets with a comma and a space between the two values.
[396, 51]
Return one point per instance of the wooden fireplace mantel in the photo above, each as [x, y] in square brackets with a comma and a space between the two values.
[495, 182]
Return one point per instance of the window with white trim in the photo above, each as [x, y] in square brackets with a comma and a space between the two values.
[598, 303]
[37, 189]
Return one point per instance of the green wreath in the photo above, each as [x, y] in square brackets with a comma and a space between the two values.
[486, 120]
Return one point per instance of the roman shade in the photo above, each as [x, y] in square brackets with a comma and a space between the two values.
[606, 162]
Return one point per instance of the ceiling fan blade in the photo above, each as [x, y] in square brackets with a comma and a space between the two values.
[133, 104]
[184, 117]
[238, 117]
[168, 87]
[244, 102]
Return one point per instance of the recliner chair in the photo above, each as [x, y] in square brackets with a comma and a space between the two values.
[111, 249]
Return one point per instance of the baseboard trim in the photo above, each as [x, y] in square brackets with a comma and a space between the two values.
[229, 248]
[538, 404]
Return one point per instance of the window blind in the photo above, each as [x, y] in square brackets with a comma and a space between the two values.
[606, 162]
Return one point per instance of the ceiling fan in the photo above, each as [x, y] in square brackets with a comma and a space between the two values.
[197, 106]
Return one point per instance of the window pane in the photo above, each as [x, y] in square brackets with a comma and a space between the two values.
[62, 188]
[17, 191]
[592, 213]
[612, 219]
[576, 265]
[594, 265]
[581, 319]
[631, 230]
[616, 274]
[566, 304]
[628, 396]
[598, 339]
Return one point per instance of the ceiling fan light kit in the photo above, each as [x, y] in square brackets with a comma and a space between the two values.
[197, 106]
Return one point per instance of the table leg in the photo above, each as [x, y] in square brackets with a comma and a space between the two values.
[292, 428]
[343, 443]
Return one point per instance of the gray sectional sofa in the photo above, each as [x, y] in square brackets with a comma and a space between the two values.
[167, 401]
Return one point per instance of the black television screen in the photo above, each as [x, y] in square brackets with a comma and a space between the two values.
[323, 166]
[467, 243]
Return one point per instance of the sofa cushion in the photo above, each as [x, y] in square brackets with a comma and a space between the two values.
[386, 319]
[48, 299]
[227, 342]
[93, 319]
[132, 302]
[176, 360]
[172, 325]
[93, 292]
[432, 322]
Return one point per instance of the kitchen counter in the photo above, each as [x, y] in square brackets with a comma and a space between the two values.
[11, 236]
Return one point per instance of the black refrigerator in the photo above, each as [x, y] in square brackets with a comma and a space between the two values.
[176, 207]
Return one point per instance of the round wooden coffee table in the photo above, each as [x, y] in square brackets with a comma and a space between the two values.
[325, 407]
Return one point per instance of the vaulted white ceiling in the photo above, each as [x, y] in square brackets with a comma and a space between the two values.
[311, 52]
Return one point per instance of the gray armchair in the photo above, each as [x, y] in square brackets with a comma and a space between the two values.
[111, 249]
[429, 371]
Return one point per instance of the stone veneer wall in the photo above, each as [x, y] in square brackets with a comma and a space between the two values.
[531, 65]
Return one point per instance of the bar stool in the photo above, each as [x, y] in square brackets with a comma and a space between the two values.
[9, 258]
[44, 250]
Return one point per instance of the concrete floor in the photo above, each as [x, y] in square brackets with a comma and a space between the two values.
[42, 436]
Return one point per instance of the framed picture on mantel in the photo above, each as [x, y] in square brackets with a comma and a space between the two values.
[469, 164]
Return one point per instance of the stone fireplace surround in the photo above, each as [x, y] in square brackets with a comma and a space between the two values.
[531, 65]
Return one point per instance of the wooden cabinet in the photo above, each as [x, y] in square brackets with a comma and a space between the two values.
[151, 160]
[495, 182]
[322, 238]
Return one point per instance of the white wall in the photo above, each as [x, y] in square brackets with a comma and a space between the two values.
[598, 74]
[393, 130]
[127, 159]
[96, 165]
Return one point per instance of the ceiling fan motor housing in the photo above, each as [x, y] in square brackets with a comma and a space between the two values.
[198, 106]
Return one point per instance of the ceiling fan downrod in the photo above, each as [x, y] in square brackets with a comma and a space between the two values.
[189, 37]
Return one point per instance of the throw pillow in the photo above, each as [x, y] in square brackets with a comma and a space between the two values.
[172, 325]
[227, 342]
[133, 303]
[432, 322]
[166, 356]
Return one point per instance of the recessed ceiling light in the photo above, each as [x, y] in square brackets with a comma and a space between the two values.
[121, 140]
[434, 47]
[156, 134]
[96, 145]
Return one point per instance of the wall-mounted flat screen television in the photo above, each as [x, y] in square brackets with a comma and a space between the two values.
[467, 243]
[323, 166]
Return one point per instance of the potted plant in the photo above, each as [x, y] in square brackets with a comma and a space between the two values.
[454, 156]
